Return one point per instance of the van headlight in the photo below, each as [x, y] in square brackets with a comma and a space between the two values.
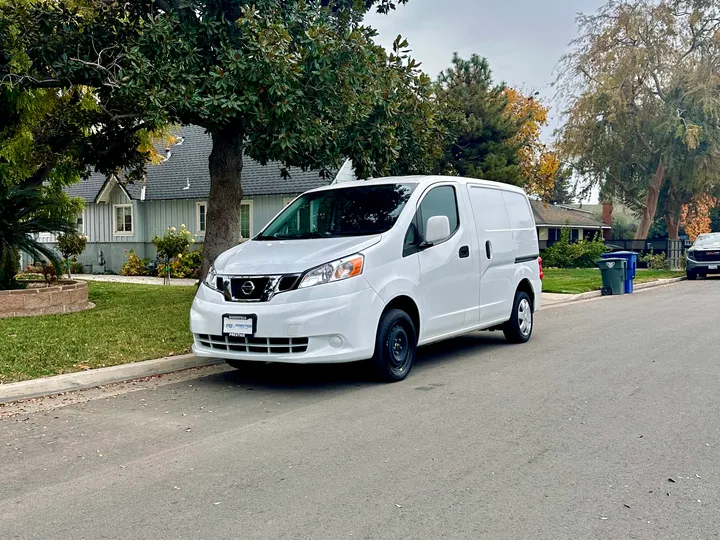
[211, 279]
[333, 271]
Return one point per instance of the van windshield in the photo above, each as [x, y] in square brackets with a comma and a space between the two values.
[354, 211]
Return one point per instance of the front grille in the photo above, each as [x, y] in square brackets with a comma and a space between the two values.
[255, 345]
[249, 288]
[706, 256]
[255, 288]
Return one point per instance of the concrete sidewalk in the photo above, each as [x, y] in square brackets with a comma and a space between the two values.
[138, 280]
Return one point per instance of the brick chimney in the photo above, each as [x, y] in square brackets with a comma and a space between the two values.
[607, 210]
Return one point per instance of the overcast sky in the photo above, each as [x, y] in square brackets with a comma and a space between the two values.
[522, 39]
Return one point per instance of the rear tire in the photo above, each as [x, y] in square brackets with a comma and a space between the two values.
[520, 326]
[395, 347]
[691, 275]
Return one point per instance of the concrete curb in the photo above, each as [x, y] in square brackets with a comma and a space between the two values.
[99, 377]
[596, 294]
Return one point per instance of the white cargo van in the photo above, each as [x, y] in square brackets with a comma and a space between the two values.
[369, 270]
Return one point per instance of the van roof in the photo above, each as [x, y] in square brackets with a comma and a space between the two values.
[421, 181]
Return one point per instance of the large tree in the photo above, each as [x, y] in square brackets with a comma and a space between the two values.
[644, 107]
[299, 82]
[487, 144]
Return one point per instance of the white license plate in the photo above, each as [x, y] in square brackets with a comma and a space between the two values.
[237, 326]
[713, 267]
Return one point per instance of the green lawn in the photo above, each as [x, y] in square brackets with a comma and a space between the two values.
[588, 279]
[129, 324]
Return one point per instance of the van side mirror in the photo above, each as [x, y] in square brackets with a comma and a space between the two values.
[437, 230]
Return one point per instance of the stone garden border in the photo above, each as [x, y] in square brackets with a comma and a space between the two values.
[65, 297]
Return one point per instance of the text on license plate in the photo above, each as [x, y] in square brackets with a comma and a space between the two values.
[237, 326]
[713, 267]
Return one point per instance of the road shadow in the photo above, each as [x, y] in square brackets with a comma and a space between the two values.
[293, 378]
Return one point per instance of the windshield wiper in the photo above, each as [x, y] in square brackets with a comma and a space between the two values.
[299, 236]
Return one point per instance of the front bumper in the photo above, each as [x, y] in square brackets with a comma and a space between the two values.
[703, 267]
[298, 327]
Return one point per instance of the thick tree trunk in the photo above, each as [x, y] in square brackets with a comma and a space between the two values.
[673, 213]
[223, 212]
[651, 202]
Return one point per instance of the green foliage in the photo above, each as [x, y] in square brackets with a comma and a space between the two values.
[76, 267]
[298, 82]
[655, 261]
[71, 245]
[26, 213]
[582, 254]
[623, 229]
[564, 191]
[485, 145]
[135, 266]
[173, 243]
[186, 265]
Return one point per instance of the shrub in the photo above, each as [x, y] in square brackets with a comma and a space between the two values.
[582, 254]
[655, 262]
[173, 243]
[135, 266]
[186, 265]
[76, 267]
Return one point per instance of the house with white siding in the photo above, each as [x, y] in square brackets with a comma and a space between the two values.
[119, 217]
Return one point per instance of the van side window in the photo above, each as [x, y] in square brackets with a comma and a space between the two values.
[519, 210]
[440, 201]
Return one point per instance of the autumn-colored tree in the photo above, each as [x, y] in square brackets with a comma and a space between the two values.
[538, 164]
[696, 218]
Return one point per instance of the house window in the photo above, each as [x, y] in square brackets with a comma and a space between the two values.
[80, 224]
[123, 219]
[246, 216]
[201, 219]
[574, 235]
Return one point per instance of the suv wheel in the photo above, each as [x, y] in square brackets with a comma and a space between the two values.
[395, 346]
[691, 275]
[520, 326]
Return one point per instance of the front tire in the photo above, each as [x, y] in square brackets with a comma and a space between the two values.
[395, 347]
[520, 326]
[691, 275]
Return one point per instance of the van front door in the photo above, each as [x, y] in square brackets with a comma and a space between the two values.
[449, 284]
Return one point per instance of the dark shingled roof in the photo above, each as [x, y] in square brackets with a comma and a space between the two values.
[557, 215]
[188, 164]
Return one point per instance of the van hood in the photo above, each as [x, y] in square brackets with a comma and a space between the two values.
[261, 257]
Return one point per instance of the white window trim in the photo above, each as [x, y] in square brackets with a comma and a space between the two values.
[131, 232]
[198, 232]
[249, 204]
[84, 225]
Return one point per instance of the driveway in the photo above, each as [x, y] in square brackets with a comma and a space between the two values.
[604, 426]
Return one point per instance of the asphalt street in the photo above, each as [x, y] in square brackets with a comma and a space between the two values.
[605, 426]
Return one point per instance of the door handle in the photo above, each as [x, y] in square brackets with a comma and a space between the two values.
[488, 249]
[464, 252]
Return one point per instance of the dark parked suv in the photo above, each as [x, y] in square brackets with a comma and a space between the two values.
[703, 257]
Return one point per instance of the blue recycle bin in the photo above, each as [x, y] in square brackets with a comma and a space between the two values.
[632, 260]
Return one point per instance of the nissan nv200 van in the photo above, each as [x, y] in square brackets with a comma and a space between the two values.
[370, 270]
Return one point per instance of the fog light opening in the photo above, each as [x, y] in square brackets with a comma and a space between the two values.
[336, 342]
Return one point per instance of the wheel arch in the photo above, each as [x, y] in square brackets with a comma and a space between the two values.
[526, 287]
[406, 304]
